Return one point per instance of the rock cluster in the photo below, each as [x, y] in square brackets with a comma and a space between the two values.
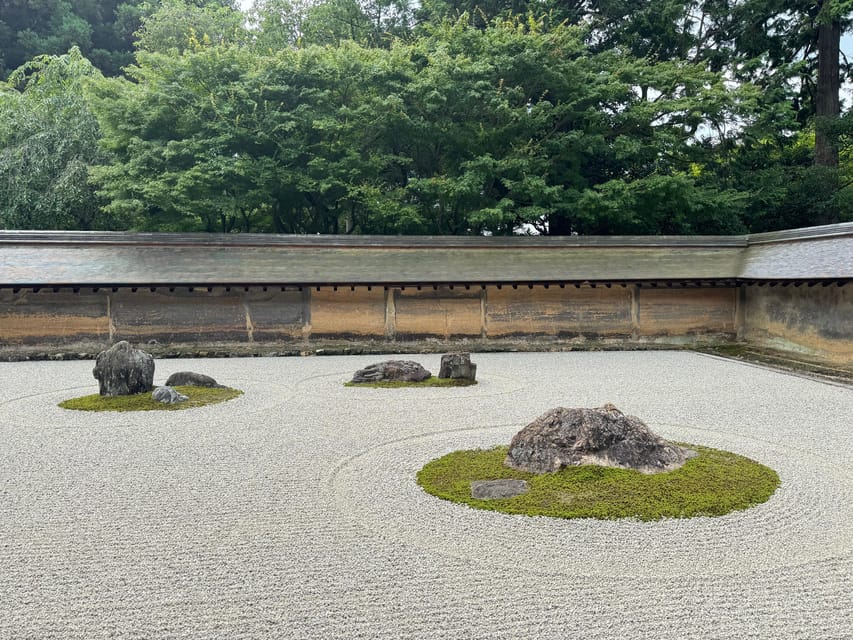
[122, 370]
[604, 436]
[392, 371]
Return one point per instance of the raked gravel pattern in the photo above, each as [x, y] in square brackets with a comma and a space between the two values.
[293, 512]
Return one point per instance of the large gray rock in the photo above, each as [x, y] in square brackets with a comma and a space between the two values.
[457, 366]
[122, 370]
[393, 371]
[168, 395]
[191, 379]
[604, 436]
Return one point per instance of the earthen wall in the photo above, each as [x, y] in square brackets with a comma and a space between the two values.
[813, 319]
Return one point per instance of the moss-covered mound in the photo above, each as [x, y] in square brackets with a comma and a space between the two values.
[429, 382]
[198, 397]
[713, 483]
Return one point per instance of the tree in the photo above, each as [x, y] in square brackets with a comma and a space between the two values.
[460, 131]
[278, 23]
[827, 102]
[372, 23]
[222, 138]
[516, 125]
[103, 31]
[177, 25]
[48, 141]
[789, 50]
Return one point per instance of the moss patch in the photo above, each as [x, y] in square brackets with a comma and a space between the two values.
[711, 484]
[429, 382]
[198, 397]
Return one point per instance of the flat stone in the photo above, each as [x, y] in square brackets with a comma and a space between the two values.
[168, 395]
[191, 379]
[392, 371]
[495, 489]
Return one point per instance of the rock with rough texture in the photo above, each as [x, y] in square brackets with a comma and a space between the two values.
[604, 436]
[392, 371]
[457, 366]
[495, 489]
[168, 395]
[122, 370]
[191, 379]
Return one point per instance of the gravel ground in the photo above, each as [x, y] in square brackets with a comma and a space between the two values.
[292, 511]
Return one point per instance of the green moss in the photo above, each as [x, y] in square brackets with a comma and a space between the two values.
[198, 397]
[711, 484]
[429, 382]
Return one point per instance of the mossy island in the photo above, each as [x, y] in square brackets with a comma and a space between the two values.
[586, 466]
[196, 397]
[126, 383]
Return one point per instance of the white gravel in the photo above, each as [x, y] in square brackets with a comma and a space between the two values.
[292, 511]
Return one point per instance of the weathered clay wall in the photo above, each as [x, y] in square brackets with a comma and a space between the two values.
[561, 312]
[686, 312]
[256, 314]
[347, 313]
[59, 317]
[815, 320]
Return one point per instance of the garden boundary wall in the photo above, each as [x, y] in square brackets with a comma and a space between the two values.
[789, 291]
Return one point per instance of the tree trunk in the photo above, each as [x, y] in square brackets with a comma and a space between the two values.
[827, 105]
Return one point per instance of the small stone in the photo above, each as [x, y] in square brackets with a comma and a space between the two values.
[122, 370]
[191, 379]
[168, 395]
[495, 489]
[392, 371]
[457, 366]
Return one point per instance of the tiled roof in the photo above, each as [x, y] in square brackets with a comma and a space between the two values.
[29, 258]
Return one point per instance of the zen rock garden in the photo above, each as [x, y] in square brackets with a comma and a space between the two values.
[567, 463]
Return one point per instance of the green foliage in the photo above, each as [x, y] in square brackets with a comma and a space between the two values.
[331, 22]
[713, 483]
[223, 139]
[48, 140]
[279, 23]
[461, 131]
[432, 381]
[178, 25]
[198, 397]
[101, 30]
[441, 117]
[513, 125]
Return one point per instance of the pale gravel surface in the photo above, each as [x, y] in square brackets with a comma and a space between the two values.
[292, 512]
